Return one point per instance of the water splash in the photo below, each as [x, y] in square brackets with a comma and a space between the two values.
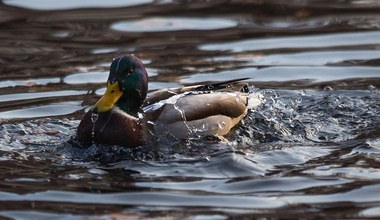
[372, 88]
[310, 117]
[190, 128]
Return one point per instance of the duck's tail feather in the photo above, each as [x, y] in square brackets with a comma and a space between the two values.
[234, 84]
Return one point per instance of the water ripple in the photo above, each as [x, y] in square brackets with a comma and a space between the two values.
[311, 149]
[69, 4]
[313, 41]
[172, 24]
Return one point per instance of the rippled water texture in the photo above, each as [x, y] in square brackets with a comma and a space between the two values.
[311, 149]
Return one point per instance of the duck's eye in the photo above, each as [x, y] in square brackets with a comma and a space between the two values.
[130, 71]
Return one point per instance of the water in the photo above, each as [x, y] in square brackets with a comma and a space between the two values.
[311, 149]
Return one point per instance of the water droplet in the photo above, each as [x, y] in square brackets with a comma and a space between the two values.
[204, 126]
[222, 125]
[94, 118]
[296, 102]
[303, 92]
[140, 115]
[276, 95]
[372, 88]
[183, 116]
[273, 101]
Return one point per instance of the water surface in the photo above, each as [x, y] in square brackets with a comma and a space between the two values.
[311, 149]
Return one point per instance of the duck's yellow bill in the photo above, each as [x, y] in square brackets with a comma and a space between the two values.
[109, 98]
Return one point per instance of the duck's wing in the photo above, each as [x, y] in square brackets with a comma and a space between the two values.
[199, 106]
[234, 85]
[200, 114]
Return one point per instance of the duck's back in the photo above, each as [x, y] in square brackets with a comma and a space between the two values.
[201, 114]
[198, 110]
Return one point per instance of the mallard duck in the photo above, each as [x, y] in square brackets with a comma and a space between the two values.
[126, 115]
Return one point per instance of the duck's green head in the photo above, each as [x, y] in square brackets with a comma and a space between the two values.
[127, 86]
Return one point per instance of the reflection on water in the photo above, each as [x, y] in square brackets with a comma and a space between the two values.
[293, 73]
[53, 109]
[73, 4]
[27, 82]
[83, 78]
[318, 41]
[172, 24]
[311, 149]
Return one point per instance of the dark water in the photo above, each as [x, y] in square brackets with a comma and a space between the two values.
[312, 150]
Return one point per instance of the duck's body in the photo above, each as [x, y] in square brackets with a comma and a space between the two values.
[113, 127]
[180, 113]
